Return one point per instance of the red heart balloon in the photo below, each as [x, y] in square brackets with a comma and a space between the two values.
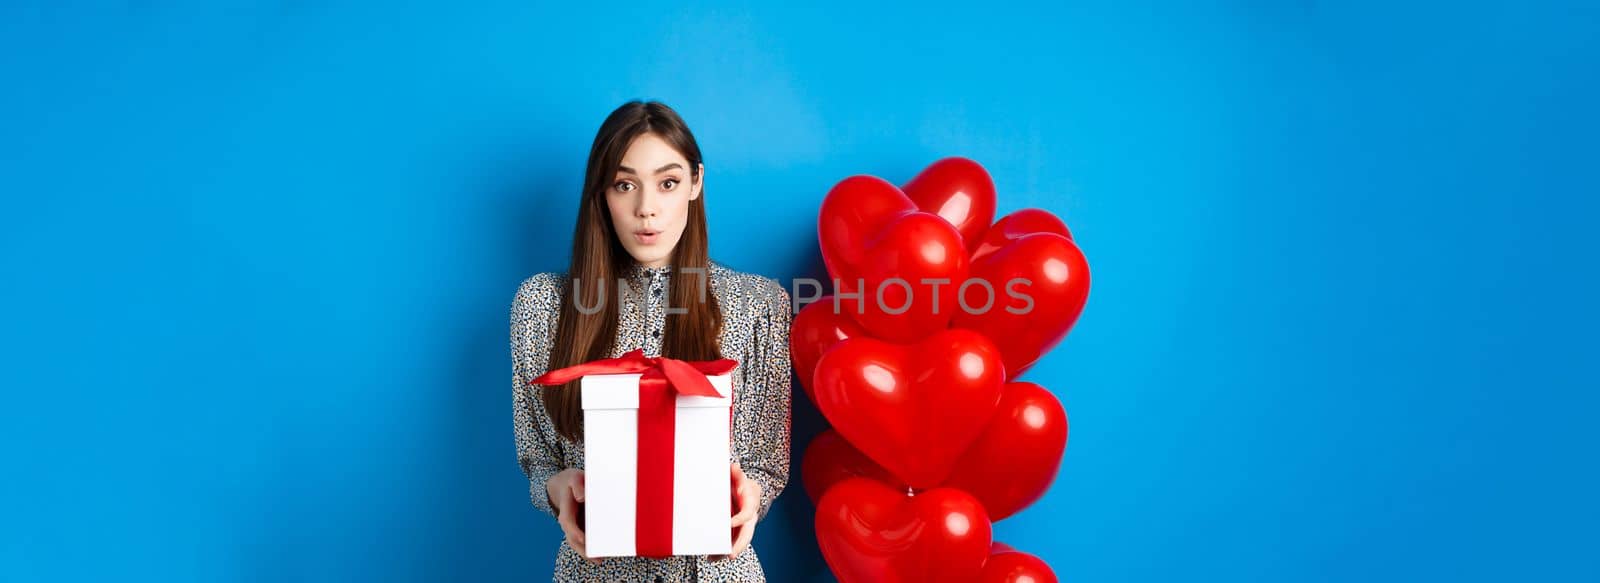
[869, 532]
[1016, 226]
[829, 459]
[912, 408]
[880, 247]
[1014, 566]
[1015, 459]
[1007, 468]
[1038, 283]
[816, 329]
[959, 191]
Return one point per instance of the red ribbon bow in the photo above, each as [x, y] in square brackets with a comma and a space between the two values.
[686, 377]
[661, 380]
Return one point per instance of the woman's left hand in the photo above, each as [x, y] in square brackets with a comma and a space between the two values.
[747, 494]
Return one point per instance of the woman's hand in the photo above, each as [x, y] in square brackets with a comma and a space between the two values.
[566, 496]
[747, 493]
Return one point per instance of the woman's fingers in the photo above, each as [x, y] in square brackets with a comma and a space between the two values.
[567, 517]
[583, 551]
[575, 536]
[566, 493]
[748, 492]
[747, 495]
[578, 488]
[741, 539]
[746, 533]
[747, 512]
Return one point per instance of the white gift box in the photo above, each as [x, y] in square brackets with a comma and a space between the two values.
[701, 486]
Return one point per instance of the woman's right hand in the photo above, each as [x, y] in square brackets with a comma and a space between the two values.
[566, 496]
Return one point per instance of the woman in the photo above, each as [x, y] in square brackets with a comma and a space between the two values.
[638, 280]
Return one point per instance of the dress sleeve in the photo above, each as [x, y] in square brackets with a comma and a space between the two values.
[538, 452]
[762, 410]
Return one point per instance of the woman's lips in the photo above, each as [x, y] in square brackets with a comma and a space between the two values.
[646, 237]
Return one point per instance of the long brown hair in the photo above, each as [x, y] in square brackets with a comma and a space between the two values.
[598, 258]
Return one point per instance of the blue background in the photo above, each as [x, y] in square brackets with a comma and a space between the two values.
[258, 258]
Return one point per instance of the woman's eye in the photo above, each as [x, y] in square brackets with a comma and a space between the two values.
[623, 186]
[668, 184]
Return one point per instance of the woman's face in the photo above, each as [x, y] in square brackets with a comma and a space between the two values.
[649, 199]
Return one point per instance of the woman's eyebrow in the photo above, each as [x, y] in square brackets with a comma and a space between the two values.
[658, 170]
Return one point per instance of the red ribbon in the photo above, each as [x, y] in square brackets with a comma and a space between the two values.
[662, 379]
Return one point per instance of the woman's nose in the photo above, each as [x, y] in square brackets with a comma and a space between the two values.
[648, 204]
